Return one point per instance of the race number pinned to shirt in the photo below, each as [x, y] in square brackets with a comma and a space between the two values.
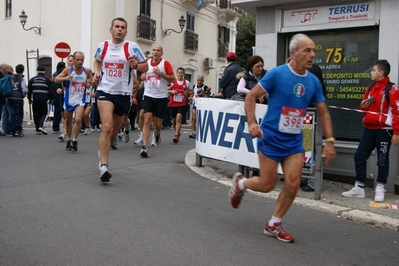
[291, 120]
[154, 80]
[78, 87]
[113, 71]
[178, 98]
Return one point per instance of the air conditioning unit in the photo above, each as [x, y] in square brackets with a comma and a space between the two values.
[208, 63]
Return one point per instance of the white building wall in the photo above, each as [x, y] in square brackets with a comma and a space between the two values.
[85, 30]
[266, 47]
[266, 35]
[59, 22]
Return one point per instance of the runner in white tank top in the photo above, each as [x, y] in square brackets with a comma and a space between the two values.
[155, 86]
[77, 79]
[114, 64]
[75, 92]
[159, 74]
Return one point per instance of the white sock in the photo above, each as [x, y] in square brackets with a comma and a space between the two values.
[241, 183]
[359, 184]
[274, 220]
[381, 185]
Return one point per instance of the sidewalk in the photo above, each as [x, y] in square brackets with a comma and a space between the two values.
[331, 200]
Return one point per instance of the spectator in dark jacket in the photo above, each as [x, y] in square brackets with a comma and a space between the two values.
[58, 92]
[40, 91]
[228, 82]
[250, 77]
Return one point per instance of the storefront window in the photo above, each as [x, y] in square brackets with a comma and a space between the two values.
[346, 59]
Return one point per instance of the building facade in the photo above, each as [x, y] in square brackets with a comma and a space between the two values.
[200, 46]
[349, 36]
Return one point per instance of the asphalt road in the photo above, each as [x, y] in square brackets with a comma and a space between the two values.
[155, 211]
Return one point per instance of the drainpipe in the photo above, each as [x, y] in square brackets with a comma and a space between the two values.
[233, 35]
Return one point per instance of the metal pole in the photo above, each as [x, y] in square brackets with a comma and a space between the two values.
[27, 70]
[319, 163]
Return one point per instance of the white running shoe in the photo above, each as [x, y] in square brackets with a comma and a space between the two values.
[42, 130]
[355, 192]
[139, 141]
[61, 137]
[379, 194]
[153, 142]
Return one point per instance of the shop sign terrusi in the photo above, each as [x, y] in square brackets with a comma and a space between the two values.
[329, 14]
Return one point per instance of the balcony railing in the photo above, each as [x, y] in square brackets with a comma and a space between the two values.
[146, 28]
[191, 41]
[226, 4]
[223, 48]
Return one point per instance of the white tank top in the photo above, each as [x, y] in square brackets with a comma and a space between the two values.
[75, 93]
[116, 75]
[155, 86]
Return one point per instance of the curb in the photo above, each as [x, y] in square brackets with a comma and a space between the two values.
[377, 220]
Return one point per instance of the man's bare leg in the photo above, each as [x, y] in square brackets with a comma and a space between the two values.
[148, 117]
[78, 121]
[105, 109]
[292, 168]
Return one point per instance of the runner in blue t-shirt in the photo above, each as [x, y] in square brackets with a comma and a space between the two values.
[290, 94]
[290, 88]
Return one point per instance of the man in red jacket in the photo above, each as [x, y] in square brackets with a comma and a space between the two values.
[381, 122]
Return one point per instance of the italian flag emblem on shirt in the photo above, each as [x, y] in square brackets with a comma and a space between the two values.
[299, 90]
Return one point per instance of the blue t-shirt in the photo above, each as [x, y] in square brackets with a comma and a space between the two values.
[289, 95]
[286, 89]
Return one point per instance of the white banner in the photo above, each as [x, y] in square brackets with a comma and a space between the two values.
[222, 133]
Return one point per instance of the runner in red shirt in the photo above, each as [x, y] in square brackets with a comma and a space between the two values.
[178, 100]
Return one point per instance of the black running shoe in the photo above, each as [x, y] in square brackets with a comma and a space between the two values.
[105, 175]
[74, 146]
[68, 145]
[144, 152]
[158, 139]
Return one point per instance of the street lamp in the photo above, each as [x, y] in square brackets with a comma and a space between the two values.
[182, 23]
[23, 18]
